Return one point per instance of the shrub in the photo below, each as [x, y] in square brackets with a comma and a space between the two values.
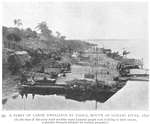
[13, 37]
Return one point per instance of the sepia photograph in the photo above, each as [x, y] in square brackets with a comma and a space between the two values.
[79, 55]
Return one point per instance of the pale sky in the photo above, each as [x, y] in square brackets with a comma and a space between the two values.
[83, 20]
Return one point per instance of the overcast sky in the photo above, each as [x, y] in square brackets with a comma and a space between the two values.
[83, 20]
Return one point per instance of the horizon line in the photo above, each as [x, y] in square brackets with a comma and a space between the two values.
[106, 39]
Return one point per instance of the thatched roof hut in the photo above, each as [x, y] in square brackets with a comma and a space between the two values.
[132, 62]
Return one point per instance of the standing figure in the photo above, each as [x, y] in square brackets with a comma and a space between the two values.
[23, 78]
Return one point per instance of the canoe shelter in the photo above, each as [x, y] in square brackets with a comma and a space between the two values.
[139, 72]
[40, 79]
[127, 64]
[75, 54]
[107, 51]
[52, 70]
[132, 62]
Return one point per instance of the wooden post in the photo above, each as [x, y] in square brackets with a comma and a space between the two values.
[142, 64]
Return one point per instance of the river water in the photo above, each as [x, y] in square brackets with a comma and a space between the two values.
[138, 48]
[48, 100]
[60, 100]
[43, 101]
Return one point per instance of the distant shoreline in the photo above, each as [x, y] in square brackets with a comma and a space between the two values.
[108, 39]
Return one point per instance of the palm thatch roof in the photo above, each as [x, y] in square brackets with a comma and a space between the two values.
[132, 62]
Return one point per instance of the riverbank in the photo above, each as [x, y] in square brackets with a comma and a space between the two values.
[106, 69]
[138, 48]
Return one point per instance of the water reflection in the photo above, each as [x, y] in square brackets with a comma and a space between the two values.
[15, 96]
[54, 98]
[73, 95]
[4, 101]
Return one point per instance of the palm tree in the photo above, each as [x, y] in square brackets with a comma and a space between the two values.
[43, 28]
[45, 31]
[58, 34]
[17, 22]
[125, 53]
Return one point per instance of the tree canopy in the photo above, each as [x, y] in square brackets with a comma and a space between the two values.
[43, 28]
[59, 41]
[17, 22]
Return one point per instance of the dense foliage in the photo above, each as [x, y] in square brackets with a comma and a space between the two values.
[46, 36]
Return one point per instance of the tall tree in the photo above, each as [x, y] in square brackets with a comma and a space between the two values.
[45, 31]
[17, 22]
[5, 31]
[43, 28]
[28, 32]
[62, 38]
[34, 33]
[58, 34]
